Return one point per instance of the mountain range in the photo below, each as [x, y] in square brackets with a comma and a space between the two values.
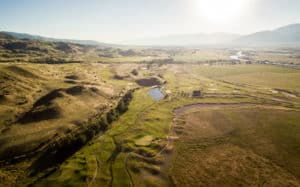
[287, 36]
[42, 38]
[283, 36]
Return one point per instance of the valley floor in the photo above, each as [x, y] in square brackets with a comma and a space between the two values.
[243, 129]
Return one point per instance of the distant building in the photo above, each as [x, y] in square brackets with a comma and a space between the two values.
[196, 93]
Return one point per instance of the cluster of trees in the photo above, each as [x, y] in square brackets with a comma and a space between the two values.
[54, 60]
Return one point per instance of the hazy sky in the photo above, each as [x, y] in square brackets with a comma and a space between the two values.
[121, 20]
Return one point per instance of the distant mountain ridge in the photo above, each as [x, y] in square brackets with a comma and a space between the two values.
[285, 36]
[48, 39]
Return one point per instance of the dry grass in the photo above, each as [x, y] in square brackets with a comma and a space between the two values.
[38, 105]
[238, 147]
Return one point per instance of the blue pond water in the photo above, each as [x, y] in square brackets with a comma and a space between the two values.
[156, 93]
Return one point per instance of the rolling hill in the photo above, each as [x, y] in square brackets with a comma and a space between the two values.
[283, 36]
[42, 38]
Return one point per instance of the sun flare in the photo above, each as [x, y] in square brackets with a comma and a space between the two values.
[220, 11]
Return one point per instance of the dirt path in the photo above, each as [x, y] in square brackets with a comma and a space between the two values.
[95, 173]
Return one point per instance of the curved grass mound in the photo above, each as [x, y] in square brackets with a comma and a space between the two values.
[41, 113]
[152, 81]
[21, 71]
[70, 82]
[75, 90]
[43, 109]
[121, 77]
[94, 90]
[2, 97]
[46, 99]
[73, 77]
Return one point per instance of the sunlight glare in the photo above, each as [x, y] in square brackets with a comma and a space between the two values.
[220, 11]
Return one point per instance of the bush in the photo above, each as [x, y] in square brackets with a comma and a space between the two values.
[103, 124]
[121, 108]
[134, 72]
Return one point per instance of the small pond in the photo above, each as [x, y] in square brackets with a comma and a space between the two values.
[156, 93]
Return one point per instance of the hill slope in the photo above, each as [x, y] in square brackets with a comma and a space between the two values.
[287, 35]
[42, 38]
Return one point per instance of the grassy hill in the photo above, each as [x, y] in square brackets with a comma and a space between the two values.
[47, 39]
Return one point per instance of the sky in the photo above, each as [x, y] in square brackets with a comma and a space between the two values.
[117, 21]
